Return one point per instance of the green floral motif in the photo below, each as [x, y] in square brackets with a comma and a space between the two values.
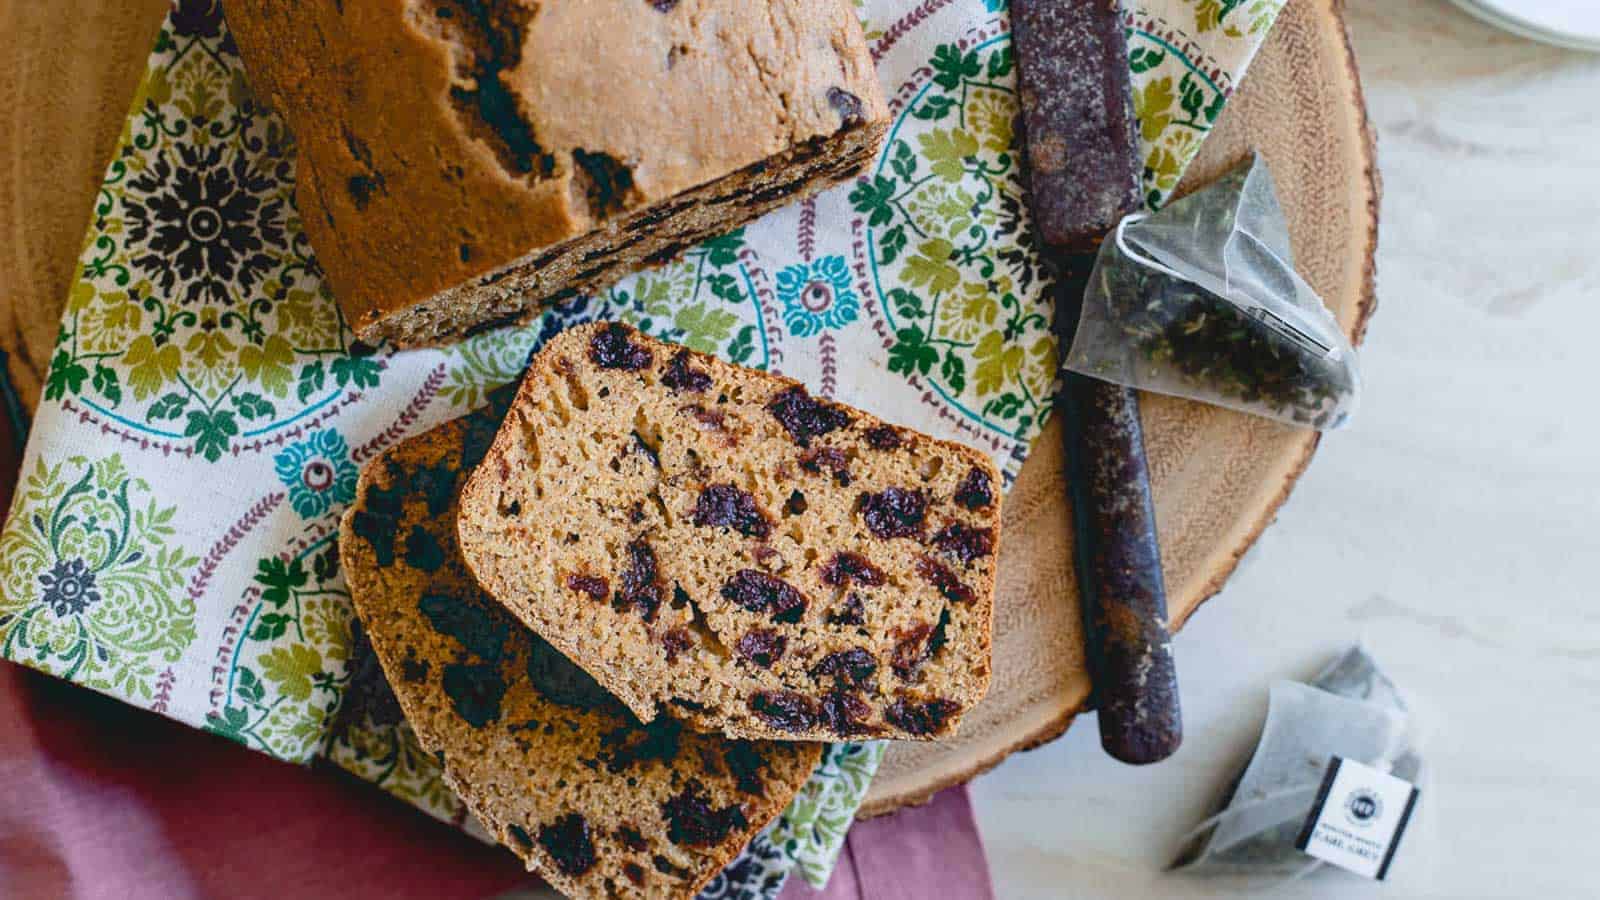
[1258, 16]
[1175, 99]
[702, 300]
[200, 316]
[387, 754]
[199, 327]
[486, 361]
[371, 739]
[93, 580]
[1175, 112]
[951, 247]
[813, 828]
[291, 663]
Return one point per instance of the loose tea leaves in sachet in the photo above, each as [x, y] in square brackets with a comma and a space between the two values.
[1201, 300]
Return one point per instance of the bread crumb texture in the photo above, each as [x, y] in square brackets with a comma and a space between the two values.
[556, 768]
[714, 543]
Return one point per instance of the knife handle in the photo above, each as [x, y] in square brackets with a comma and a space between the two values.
[1119, 572]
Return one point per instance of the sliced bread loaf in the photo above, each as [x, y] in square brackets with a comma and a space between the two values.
[464, 162]
[596, 802]
[712, 541]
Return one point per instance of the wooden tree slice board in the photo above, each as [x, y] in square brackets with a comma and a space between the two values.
[69, 73]
[1219, 477]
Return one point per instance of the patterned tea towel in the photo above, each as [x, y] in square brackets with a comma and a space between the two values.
[171, 542]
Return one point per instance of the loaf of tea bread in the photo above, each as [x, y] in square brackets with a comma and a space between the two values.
[464, 162]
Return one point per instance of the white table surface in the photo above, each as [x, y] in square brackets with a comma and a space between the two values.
[1454, 527]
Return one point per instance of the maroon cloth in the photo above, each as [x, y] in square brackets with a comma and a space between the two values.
[100, 800]
[917, 853]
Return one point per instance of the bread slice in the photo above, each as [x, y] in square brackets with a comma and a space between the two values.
[464, 162]
[553, 766]
[714, 542]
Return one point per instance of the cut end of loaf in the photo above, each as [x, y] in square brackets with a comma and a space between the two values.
[651, 236]
[714, 544]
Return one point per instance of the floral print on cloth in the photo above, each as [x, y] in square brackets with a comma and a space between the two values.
[318, 473]
[813, 828]
[817, 295]
[95, 579]
[207, 408]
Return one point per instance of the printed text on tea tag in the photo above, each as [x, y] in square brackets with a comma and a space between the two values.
[1358, 819]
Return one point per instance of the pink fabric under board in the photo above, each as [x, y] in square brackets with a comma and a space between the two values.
[99, 800]
[915, 854]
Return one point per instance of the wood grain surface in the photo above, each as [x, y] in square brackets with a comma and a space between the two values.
[1218, 477]
[69, 73]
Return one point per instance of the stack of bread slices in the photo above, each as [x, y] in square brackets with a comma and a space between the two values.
[625, 604]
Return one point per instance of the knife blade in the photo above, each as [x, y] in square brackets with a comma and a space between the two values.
[1080, 146]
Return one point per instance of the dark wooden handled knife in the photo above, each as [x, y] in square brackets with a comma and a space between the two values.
[1083, 165]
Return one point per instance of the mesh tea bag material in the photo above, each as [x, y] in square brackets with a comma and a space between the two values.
[1351, 710]
[1201, 300]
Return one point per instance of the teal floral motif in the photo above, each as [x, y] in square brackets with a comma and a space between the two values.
[816, 296]
[290, 667]
[93, 580]
[318, 473]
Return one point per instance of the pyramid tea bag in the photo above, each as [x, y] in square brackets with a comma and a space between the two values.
[1201, 300]
[1351, 710]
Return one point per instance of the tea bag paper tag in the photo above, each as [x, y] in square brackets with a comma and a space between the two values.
[1358, 819]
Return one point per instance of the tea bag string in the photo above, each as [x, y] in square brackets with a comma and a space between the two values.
[1140, 258]
[1309, 791]
[1384, 763]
